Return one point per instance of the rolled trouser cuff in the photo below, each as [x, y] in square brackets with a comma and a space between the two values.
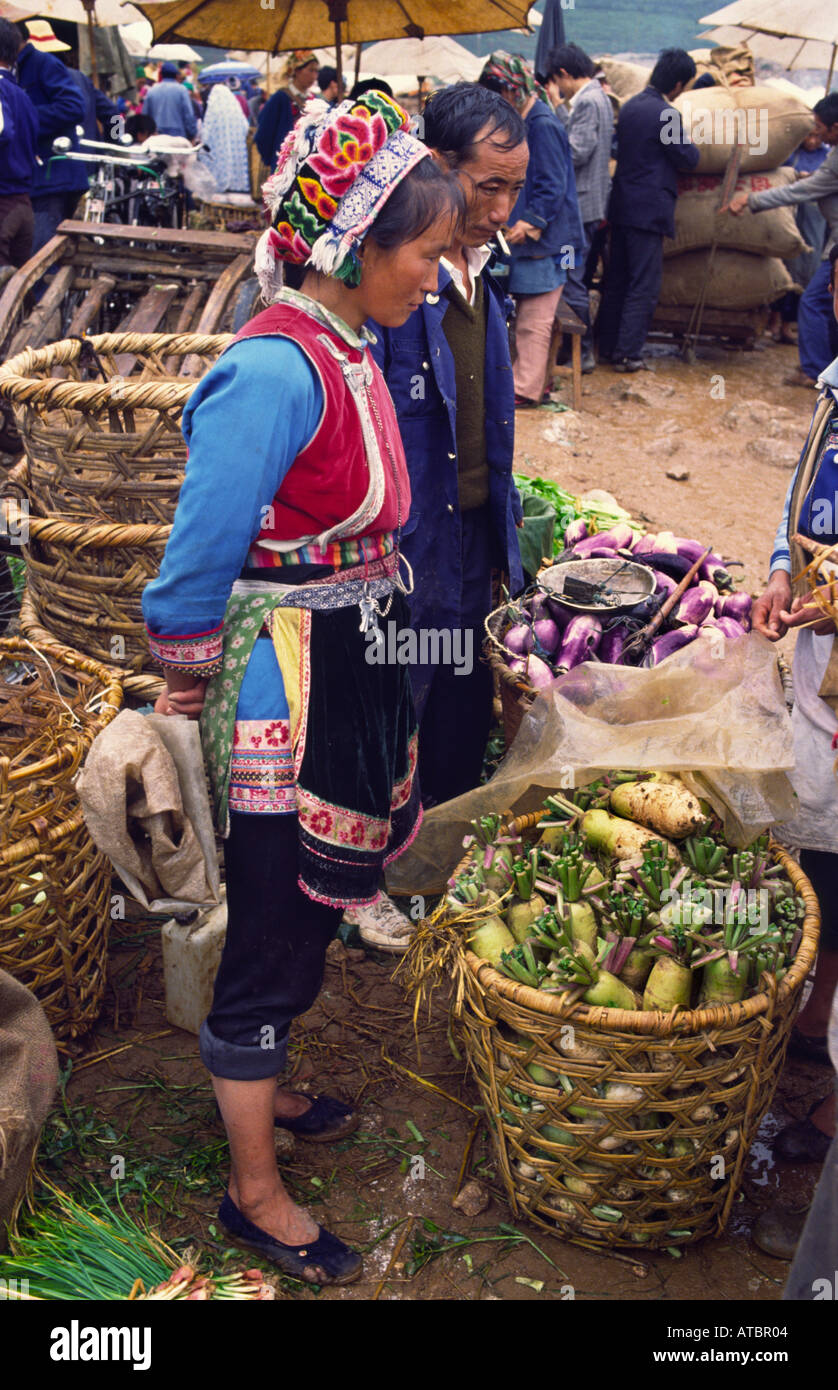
[242, 1062]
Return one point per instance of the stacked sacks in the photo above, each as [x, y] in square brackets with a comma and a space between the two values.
[747, 270]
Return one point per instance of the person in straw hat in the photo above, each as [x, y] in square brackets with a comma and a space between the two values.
[283, 556]
[279, 113]
[45, 80]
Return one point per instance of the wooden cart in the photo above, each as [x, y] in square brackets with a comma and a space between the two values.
[113, 278]
[732, 327]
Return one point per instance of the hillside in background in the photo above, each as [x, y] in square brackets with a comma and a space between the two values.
[611, 26]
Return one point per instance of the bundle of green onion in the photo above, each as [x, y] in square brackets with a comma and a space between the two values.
[87, 1250]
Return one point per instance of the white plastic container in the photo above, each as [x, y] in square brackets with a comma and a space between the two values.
[191, 956]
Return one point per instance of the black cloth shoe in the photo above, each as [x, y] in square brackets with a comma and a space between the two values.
[778, 1230]
[809, 1048]
[802, 1142]
[588, 362]
[327, 1119]
[629, 364]
[325, 1260]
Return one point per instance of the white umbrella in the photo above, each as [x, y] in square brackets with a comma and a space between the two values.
[172, 53]
[440, 57]
[797, 33]
[103, 13]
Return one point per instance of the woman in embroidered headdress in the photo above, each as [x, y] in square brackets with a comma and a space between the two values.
[283, 556]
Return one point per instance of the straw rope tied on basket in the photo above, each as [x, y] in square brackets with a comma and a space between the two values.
[104, 462]
[54, 884]
[611, 1126]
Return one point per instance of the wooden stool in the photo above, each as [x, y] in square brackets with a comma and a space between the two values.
[566, 321]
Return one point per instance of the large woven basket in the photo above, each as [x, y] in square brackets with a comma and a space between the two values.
[703, 1078]
[104, 461]
[54, 883]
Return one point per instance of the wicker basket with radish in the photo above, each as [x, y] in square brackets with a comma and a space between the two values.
[595, 606]
[626, 984]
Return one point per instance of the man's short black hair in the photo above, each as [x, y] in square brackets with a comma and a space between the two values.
[10, 43]
[369, 84]
[674, 65]
[326, 76]
[833, 258]
[455, 116]
[826, 109]
[571, 59]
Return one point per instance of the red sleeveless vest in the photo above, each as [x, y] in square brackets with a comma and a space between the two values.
[336, 478]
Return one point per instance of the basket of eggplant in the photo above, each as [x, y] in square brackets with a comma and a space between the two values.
[620, 597]
[629, 984]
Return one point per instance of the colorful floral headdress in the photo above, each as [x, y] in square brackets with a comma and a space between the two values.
[335, 172]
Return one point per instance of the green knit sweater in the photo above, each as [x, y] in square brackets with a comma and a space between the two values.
[464, 326]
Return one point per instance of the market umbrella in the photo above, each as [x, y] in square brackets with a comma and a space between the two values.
[219, 72]
[439, 56]
[804, 32]
[290, 24]
[550, 35]
[171, 53]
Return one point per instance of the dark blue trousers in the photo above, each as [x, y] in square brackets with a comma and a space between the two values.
[817, 331]
[454, 709]
[632, 289]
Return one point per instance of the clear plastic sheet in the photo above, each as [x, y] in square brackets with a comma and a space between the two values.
[713, 712]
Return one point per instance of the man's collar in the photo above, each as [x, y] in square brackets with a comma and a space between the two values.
[829, 377]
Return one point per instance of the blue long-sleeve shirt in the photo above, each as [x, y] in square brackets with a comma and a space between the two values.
[822, 497]
[18, 138]
[245, 424]
[60, 108]
[170, 107]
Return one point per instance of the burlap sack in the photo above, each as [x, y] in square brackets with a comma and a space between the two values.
[737, 280]
[771, 233]
[28, 1078]
[770, 124]
[624, 79]
[145, 801]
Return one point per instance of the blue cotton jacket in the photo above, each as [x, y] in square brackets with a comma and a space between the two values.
[652, 150]
[170, 107]
[60, 107]
[18, 138]
[275, 120]
[548, 198]
[418, 366]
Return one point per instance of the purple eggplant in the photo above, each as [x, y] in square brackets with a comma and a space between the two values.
[714, 570]
[646, 545]
[559, 613]
[580, 641]
[610, 649]
[730, 627]
[664, 584]
[547, 635]
[533, 670]
[662, 647]
[691, 550]
[738, 606]
[692, 608]
[519, 639]
[620, 537]
[577, 531]
[666, 562]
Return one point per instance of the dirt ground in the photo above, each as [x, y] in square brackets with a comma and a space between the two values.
[137, 1088]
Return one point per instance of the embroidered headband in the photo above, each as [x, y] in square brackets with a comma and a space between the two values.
[335, 172]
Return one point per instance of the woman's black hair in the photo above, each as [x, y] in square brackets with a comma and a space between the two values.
[371, 84]
[571, 59]
[416, 203]
[674, 65]
[833, 260]
[10, 43]
[456, 115]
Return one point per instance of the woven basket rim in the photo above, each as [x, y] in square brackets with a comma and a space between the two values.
[110, 704]
[493, 651]
[133, 683]
[653, 1023]
[21, 372]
